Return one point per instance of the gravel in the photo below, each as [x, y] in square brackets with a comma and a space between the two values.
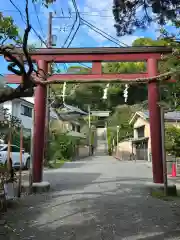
[100, 198]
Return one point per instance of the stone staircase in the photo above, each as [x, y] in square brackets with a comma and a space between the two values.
[102, 147]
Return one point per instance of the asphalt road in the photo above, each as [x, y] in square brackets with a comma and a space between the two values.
[100, 198]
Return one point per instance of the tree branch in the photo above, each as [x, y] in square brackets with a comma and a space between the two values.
[26, 88]
[10, 93]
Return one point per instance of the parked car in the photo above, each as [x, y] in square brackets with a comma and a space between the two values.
[15, 156]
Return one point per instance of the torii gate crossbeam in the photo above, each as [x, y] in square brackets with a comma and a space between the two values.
[42, 57]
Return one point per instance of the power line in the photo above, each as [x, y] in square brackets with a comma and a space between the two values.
[38, 19]
[77, 17]
[99, 31]
[87, 14]
[73, 26]
[18, 9]
[74, 35]
[24, 20]
[64, 17]
[102, 33]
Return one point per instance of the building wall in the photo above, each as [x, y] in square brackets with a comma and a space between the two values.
[8, 105]
[1, 112]
[83, 151]
[14, 108]
[141, 122]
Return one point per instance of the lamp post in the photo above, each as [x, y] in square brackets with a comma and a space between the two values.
[89, 123]
[117, 138]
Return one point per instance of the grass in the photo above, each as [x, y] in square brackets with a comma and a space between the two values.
[160, 195]
[57, 164]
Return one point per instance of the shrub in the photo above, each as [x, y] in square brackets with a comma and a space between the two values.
[62, 147]
[172, 141]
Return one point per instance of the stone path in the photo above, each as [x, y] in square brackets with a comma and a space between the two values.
[100, 198]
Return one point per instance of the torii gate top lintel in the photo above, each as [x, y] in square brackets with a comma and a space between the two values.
[97, 54]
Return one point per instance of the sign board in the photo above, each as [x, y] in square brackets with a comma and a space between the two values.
[100, 113]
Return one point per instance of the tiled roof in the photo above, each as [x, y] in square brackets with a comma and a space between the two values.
[174, 116]
[73, 109]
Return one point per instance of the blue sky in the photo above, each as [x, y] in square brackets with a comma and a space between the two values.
[99, 15]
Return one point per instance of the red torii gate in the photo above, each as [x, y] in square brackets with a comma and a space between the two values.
[96, 56]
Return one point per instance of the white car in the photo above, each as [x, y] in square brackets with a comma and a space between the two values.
[15, 156]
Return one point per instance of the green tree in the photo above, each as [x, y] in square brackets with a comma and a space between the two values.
[172, 142]
[149, 42]
[7, 29]
[121, 118]
[45, 3]
[137, 14]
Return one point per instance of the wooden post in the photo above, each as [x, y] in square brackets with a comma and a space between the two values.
[9, 148]
[20, 169]
[31, 156]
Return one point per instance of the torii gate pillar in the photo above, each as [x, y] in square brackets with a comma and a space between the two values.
[39, 125]
[155, 122]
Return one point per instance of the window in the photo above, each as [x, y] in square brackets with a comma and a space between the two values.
[78, 128]
[140, 132]
[26, 111]
[73, 127]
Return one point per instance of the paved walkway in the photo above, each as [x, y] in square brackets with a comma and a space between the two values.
[100, 198]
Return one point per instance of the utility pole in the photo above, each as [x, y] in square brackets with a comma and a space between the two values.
[48, 89]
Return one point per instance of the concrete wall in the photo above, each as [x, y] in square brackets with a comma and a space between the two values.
[83, 151]
[124, 150]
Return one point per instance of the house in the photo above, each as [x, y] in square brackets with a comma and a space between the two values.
[140, 144]
[67, 120]
[23, 110]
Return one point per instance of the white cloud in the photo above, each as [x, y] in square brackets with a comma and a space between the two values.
[101, 16]
[129, 39]
[104, 8]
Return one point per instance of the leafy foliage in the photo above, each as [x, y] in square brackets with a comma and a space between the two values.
[110, 137]
[7, 122]
[7, 29]
[62, 146]
[139, 14]
[173, 140]
[45, 3]
[149, 42]
[121, 118]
